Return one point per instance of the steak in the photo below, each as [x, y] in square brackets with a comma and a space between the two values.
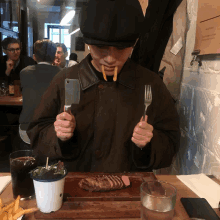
[104, 183]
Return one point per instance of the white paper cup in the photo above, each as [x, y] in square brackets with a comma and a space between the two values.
[49, 193]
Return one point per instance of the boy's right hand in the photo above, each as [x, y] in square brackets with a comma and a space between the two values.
[65, 125]
[9, 66]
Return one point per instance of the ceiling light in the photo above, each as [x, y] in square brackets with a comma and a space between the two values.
[74, 31]
[67, 18]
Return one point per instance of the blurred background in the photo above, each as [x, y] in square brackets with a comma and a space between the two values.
[31, 20]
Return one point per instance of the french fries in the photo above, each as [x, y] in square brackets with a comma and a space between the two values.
[16, 204]
[115, 74]
[0, 204]
[104, 74]
[13, 211]
[24, 211]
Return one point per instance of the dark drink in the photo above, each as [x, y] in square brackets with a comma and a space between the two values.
[11, 89]
[22, 183]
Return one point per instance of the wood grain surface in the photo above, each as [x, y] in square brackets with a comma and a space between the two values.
[11, 100]
[72, 191]
[104, 210]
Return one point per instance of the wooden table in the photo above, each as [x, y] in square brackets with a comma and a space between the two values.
[11, 100]
[99, 209]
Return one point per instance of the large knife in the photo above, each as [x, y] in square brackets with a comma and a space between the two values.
[72, 93]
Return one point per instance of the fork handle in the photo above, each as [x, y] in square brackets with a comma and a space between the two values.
[145, 109]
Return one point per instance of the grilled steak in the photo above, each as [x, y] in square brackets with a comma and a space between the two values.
[104, 183]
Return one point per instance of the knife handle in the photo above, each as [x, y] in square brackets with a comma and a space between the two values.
[67, 108]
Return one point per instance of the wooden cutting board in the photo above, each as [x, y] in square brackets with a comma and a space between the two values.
[81, 204]
[73, 192]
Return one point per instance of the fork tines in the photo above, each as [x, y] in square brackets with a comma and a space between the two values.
[147, 98]
[148, 95]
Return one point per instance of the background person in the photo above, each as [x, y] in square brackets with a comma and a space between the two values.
[13, 62]
[34, 81]
[72, 59]
[105, 132]
[10, 66]
[61, 54]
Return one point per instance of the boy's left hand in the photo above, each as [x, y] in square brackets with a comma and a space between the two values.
[143, 133]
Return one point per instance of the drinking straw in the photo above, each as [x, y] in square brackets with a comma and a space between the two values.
[47, 163]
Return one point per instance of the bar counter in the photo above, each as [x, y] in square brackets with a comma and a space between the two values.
[11, 100]
[105, 208]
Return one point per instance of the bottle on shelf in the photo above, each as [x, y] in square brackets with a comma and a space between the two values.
[11, 88]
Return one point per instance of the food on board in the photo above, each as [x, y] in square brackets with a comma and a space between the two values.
[104, 183]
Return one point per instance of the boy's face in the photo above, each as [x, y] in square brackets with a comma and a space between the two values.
[109, 57]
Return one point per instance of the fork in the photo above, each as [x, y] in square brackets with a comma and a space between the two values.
[147, 99]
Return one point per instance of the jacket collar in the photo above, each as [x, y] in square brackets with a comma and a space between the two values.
[88, 77]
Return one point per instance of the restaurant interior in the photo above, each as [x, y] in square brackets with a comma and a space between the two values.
[192, 80]
[184, 44]
[32, 20]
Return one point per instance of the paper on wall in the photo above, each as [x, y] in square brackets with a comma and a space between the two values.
[177, 47]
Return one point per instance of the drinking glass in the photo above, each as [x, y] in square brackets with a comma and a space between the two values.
[17, 88]
[158, 200]
[21, 163]
[4, 89]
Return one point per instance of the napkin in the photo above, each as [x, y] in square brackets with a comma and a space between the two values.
[203, 187]
[4, 181]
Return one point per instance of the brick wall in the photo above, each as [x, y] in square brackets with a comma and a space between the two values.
[199, 109]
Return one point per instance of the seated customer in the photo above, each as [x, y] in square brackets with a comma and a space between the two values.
[72, 59]
[106, 132]
[34, 81]
[10, 66]
[13, 62]
[61, 54]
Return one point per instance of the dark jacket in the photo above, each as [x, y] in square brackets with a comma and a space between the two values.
[34, 81]
[105, 120]
[157, 28]
[15, 74]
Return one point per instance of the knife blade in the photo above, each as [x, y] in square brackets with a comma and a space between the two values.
[72, 93]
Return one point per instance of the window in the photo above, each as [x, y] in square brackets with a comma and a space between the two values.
[58, 34]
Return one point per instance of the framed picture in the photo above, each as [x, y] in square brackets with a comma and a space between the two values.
[79, 44]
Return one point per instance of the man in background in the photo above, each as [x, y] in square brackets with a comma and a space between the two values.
[13, 62]
[73, 59]
[34, 81]
[61, 54]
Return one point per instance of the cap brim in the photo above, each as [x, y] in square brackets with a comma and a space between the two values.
[108, 43]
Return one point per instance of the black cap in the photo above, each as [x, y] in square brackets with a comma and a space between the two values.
[111, 22]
